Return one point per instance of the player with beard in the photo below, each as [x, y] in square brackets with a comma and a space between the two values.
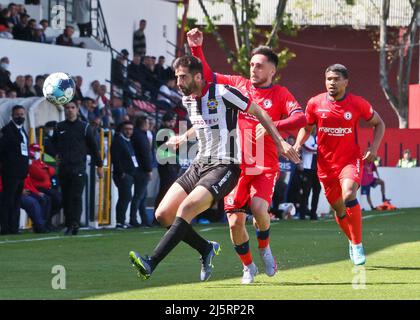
[213, 111]
[260, 168]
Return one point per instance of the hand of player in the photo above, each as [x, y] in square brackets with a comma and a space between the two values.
[195, 38]
[297, 148]
[100, 171]
[370, 155]
[289, 152]
[260, 131]
[174, 141]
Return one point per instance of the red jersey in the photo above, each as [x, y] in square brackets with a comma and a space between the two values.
[337, 123]
[278, 102]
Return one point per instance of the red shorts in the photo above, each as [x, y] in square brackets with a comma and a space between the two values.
[250, 186]
[332, 184]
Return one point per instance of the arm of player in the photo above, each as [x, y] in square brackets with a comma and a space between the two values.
[283, 147]
[195, 42]
[302, 136]
[378, 133]
[295, 121]
[176, 141]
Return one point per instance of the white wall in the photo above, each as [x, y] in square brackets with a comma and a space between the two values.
[122, 19]
[402, 186]
[37, 58]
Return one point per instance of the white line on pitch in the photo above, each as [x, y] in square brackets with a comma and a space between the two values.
[52, 238]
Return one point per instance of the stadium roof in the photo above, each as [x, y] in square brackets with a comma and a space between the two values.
[313, 12]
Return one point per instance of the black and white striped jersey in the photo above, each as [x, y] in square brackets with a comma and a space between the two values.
[214, 117]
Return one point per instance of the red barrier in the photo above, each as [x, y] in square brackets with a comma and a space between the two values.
[393, 144]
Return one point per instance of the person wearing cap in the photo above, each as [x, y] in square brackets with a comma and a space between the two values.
[38, 34]
[41, 175]
[168, 164]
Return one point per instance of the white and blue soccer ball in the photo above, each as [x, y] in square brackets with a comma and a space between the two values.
[59, 88]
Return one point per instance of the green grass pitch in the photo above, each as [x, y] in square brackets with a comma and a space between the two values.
[312, 256]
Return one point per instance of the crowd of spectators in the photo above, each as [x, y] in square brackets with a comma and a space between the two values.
[16, 23]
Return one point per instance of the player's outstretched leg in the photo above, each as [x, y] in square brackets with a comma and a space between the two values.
[259, 208]
[142, 265]
[207, 261]
[240, 241]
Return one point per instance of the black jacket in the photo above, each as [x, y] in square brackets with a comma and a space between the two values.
[142, 148]
[14, 164]
[121, 156]
[73, 141]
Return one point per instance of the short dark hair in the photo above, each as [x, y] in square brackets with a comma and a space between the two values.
[17, 107]
[192, 63]
[268, 52]
[88, 99]
[39, 77]
[140, 120]
[126, 123]
[338, 68]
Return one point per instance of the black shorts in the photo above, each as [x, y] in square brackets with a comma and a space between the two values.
[219, 179]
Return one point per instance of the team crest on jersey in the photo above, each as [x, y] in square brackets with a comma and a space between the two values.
[212, 104]
[267, 103]
[323, 115]
[348, 115]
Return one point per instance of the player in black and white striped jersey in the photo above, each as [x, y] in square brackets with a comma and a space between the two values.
[213, 111]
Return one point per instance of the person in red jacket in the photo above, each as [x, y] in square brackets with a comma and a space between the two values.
[40, 175]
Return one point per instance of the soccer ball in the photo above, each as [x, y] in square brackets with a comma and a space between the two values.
[59, 88]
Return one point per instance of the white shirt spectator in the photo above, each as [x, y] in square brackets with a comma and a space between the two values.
[91, 94]
[309, 150]
[168, 93]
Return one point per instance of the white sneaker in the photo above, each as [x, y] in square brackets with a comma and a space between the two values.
[250, 271]
[359, 257]
[269, 261]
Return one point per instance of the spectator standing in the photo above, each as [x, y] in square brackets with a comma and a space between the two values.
[78, 81]
[29, 86]
[139, 39]
[65, 39]
[14, 159]
[310, 177]
[407, 161]
[39, 84]
[14, 18]
[168, 166]
[160, 69]
[81, 15]
[19, 87]
[141, 145]
[5, 82]
[125, 167]
[73, 140]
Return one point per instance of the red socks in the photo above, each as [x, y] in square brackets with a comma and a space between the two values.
[351, 224]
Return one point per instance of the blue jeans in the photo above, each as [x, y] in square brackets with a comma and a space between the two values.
[34, 208]
[141, 181]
